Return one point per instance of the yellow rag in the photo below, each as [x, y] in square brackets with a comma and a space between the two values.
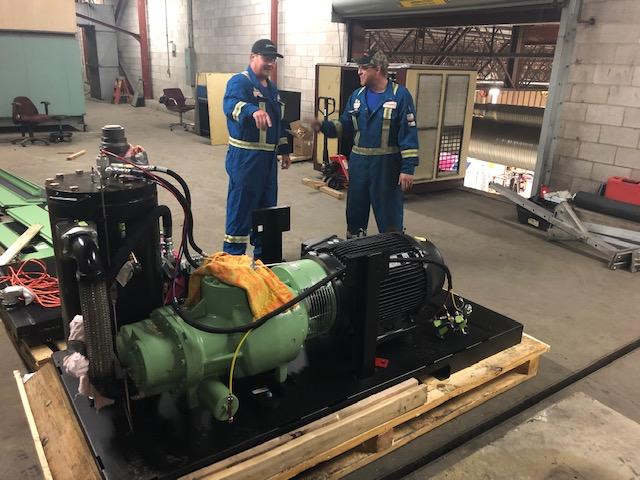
[265, 290]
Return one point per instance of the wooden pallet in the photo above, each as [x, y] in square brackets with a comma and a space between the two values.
[322, 186]
[331, 447]
[34, 356]
[297, 158]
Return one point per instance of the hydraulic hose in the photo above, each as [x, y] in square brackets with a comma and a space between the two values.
[187, 199]
[184, 315]
[180, 180]
[179, 197]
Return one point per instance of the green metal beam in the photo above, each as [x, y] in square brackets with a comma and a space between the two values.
[10, 199]
[32, 214]
[28, 187]
[16, 191]
[8, 236]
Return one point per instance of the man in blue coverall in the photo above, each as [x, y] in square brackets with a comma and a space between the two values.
[381, 116]
[257, 134]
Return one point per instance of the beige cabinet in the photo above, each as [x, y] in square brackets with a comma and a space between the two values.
[444, 108]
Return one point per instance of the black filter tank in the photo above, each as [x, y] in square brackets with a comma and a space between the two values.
[118, 209]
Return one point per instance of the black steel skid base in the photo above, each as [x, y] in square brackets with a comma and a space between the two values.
[170, 440]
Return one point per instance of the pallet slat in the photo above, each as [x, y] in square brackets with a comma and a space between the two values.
[34, 356]
[328, 448]
[33, 429]
[65, 448]
[446, 400]
[322, 186]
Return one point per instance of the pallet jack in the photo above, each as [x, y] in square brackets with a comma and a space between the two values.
[335, 168]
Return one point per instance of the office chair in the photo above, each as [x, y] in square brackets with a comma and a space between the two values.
[25, 114]
[175, 101]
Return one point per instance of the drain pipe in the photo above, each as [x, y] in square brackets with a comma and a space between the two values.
[144, 49]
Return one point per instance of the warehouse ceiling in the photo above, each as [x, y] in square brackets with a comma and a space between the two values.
[432, 13]
[360, 9]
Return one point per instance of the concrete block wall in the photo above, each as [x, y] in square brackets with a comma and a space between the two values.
[129, 47]
[164, 28]
[224, 31]
[307, 37]
[168, 30]
[599, 131]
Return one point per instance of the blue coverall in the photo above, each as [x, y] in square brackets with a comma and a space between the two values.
[385, 144]
[251, 159]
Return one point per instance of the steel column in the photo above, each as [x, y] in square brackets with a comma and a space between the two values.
[557, 84]
[144, 49]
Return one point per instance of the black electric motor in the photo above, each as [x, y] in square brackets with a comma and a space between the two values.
[408, 291]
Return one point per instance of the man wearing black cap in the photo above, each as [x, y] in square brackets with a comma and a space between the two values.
[381, 116]
[257, 134]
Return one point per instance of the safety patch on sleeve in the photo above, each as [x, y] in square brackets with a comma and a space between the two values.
[412, 124]
[410, 117]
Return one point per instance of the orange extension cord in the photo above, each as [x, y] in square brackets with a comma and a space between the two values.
[44, 287]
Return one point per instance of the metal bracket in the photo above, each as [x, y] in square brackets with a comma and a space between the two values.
[565, 225]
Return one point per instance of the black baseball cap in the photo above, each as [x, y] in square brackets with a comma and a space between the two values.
[266, 47]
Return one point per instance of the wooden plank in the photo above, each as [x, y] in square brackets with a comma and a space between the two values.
[63, 442]
[335, 417]
[329, 419]
[79, 153]
[352, 460]
[216, 84]
[378, 443]
[42, 459]
[19, 244]
[387, 420]
[333, 193]
[436, 412]
[36, 356]
[313, 183]
[461, 392]
[484, 371]
[300, 158]
[287, 456]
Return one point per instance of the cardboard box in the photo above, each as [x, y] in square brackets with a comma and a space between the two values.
[302, 139]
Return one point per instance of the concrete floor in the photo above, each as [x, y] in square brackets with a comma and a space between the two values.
[562, 296]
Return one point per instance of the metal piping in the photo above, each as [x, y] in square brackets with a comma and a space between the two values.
[513, 114]
[108, 25]
[503, 143]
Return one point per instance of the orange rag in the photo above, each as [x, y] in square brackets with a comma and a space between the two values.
[265, 290]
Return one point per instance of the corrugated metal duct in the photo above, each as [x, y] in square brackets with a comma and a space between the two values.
[527, 116]
[349, 9]
[504, 143]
